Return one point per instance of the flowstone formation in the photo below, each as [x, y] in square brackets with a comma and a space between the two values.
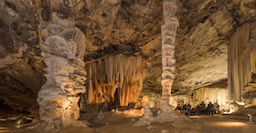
[114, 80]
[63, 52]
[166, 113]
[241, 65]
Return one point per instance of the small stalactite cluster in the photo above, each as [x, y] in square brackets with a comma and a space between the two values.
[115, 78]
[242, 64]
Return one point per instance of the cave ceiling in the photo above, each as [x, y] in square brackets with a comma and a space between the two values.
[129, 27]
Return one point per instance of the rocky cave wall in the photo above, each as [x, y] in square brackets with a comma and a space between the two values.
[208, 94]
[21, 63]
[242, 64]
[112, 27]
[215, 93]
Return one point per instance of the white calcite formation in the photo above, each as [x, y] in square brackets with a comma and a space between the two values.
[241, 65]
[169, 29]
[166, 113]
[63, 52]
[57, 99]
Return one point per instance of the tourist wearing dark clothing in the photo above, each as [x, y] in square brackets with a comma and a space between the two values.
[202, 108]
[188, 110]
[189, 106]
[210, 109]
[178, 108]
[216, 107]
[184, 108]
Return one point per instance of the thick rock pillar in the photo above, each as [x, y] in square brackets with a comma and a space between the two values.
[63, 51]
[169, 29]
[166, 113]
[58, 99]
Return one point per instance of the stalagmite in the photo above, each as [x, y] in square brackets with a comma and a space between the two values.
[169, 29]
[166, 113]
[115, 78]
[63, 52]
[58, 98]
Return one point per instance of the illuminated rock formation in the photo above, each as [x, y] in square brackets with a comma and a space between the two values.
[58, 100]
[64, 47]
[166, 113]
[241, 65]
[169, 29]
[115, 78]
[114, 27]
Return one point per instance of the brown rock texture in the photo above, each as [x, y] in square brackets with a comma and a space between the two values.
[115, 27]
[169, 30]
[65, 73]
[242, 68]
[22, 66]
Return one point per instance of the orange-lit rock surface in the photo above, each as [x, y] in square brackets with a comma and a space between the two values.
[116, 80]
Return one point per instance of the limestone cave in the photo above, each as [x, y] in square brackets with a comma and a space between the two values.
[121, 66]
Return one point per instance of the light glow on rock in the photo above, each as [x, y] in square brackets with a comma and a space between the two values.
[230, 124]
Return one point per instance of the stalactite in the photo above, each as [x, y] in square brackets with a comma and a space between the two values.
[115, 73]
[241, 62]
[169, 29]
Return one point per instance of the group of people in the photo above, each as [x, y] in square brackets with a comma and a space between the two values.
[200, 109]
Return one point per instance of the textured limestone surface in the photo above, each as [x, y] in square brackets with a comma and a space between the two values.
[21, 62]
[112, 27]
[113, 82]
[242, 68]
[203, 35]
[65, 74]
[168, 30]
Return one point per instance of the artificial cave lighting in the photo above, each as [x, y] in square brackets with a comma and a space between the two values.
[230, 124]
[229, 111]
[115, 78]
[118, 66]
[5, 129]
[240, 103]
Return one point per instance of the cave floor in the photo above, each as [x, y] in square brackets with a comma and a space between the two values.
[121, 123]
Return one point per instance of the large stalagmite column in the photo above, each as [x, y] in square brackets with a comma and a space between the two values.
[63, 52]
[166, 113]
[169, 29]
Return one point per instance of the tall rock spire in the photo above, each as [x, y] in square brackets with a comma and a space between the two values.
[168, 29]
[166, 113]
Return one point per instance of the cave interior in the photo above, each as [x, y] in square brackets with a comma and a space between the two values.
[64, 61]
